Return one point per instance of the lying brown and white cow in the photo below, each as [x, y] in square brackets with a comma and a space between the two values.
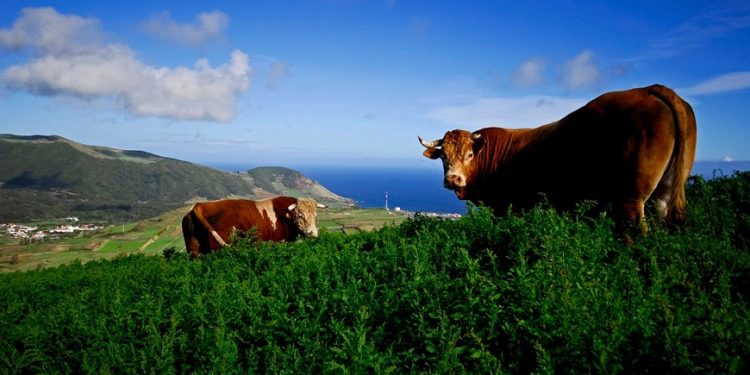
[209, 225]
[621, 148]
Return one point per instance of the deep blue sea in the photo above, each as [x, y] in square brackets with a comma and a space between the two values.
[410, 189]
[415, 189]
[421, 189]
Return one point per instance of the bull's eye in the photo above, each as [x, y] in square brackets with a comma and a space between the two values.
[469, 156]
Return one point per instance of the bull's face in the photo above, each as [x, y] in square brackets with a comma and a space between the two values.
[457, 150]
[304, 213]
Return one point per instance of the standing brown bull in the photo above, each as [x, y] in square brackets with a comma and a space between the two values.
[621, 148]
[208, 226]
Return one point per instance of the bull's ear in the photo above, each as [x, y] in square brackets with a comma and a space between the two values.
[292, 207]
[478, 142]
[432, 153]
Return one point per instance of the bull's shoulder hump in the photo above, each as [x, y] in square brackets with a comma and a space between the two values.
[283, 202]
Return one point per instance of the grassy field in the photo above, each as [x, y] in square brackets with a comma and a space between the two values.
[536, 292]
[152, 236]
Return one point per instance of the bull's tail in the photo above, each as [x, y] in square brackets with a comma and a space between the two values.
[684, 149]
[209, 228]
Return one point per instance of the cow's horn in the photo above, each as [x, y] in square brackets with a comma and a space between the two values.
[320, 205]
[431, 144]
[475, 136]
[292, 206]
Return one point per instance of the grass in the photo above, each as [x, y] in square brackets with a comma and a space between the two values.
[539, 292]
[154, 235]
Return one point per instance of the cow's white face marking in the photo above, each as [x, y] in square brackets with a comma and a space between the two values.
[265, 207]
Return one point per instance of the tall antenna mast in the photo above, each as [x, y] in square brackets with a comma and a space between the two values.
[386, 201]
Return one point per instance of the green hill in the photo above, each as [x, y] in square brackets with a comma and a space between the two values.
[286, 181]
[50, 176]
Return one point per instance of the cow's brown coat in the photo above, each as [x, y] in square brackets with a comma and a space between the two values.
[272, 219]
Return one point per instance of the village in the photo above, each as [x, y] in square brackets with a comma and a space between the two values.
[34, 233]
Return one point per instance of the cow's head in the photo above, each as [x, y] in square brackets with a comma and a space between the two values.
[457, 150]
[304, 213]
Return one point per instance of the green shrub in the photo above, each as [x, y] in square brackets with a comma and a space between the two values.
[535, 292]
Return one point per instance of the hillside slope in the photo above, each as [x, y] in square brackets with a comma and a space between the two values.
[285, 181]
[50, 176]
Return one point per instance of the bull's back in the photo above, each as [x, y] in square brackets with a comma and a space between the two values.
[243, 215]
[598, 152]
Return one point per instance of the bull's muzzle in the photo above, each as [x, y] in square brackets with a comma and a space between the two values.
[454, 181]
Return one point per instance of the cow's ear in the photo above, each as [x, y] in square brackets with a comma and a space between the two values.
[478, 142]
[292, 207]
[432, 152]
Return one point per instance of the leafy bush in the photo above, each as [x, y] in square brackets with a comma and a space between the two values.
[535, 292]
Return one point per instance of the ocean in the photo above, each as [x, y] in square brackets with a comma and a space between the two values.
[409, 189]
[421, 189]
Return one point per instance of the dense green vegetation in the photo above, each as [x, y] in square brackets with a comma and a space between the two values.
[536, 292]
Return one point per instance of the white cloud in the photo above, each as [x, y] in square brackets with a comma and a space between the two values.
[530, 72]
[525, 112]
[723, 83]
[45, 31]
[582, 72]
[206, 27]
[63, 66]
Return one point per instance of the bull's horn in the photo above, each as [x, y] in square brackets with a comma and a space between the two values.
[292, 206]
[320, 205]
[431, 144]
[475, 136]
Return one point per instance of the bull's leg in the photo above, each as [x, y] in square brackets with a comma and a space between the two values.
[632, 221]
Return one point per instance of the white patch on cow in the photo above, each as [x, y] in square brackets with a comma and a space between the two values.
[265, 208]
[218, 238]
[661, 202]
[457, 173]
[661, 208]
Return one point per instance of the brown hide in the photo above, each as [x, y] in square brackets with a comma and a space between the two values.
[621, 148]
[272, 219]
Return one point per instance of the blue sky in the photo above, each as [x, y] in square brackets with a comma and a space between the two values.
[353, 82]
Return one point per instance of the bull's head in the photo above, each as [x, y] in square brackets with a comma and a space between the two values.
[457, 150]
[304, 213]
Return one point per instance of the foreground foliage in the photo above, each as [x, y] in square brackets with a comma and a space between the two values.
[537, 292]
